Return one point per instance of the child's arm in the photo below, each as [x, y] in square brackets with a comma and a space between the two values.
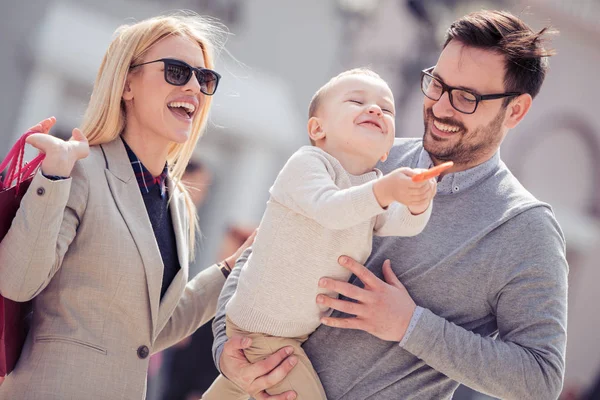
[409, 202]
[306, 185]
[399, 221]
[399, 186]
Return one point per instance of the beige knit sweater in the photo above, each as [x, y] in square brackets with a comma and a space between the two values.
[316, 212]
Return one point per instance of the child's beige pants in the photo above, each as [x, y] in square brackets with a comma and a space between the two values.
[302, 378]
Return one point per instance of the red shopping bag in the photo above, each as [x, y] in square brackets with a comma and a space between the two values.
[13, 315]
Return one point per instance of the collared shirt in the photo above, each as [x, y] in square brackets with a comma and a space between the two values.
[159, 214]
[144, 178]
[457, 181]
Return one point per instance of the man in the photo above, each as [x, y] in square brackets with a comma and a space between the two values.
[480, 296]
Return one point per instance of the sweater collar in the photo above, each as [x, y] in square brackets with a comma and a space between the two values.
[459, 181]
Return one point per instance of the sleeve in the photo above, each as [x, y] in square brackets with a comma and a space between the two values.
[227, 293]
[527, 359]
[41, 232]
[196, 307]
[306, 186]
[399, 221]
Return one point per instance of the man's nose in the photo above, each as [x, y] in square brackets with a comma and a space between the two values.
[443, 108]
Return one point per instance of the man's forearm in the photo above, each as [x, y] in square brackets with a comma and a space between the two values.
[218, 325]
[529, 310]
[504, 369]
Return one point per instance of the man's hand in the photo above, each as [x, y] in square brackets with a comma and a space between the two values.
[382, 309]
[255, 378]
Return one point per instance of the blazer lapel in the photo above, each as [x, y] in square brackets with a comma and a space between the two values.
[176, 288]
[126, 193]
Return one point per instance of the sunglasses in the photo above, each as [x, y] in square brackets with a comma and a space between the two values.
[178, 73]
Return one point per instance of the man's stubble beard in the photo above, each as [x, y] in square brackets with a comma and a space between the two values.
[462, 152]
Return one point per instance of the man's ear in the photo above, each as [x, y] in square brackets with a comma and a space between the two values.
[384, 157]
[315, 129]
[127, 92]
[517, 109]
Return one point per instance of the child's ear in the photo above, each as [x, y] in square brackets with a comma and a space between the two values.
[127, 92]
[315, 129]
[384, 157]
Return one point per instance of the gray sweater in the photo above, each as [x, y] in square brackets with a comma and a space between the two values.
[489, 275]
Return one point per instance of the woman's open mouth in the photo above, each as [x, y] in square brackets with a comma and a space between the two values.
[182, 110]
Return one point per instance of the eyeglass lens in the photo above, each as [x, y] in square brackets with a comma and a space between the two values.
[460, 99]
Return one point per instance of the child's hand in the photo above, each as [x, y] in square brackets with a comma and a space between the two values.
[419, 205]
[398, 186]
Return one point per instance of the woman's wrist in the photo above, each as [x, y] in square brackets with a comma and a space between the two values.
[225, 268]
[55, 177]
[231, 260]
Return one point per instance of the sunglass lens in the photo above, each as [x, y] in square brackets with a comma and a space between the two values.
[208, 81]
[177, 74]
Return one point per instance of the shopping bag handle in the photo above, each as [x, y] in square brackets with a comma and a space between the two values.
[14, 161]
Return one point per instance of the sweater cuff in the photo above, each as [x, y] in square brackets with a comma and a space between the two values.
[411, 326]
[427, 327]
[218, 352]
[420, 220]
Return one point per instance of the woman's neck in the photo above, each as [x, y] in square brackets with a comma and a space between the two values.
[151, 149]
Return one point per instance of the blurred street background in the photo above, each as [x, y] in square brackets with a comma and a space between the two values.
[279, 52]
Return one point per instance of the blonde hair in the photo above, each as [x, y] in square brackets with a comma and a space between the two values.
[105, 117]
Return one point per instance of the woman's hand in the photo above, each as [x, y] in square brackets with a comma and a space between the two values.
[233, 258]
[61, 155]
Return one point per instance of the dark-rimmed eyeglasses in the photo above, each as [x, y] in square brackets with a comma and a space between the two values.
[463, 100]
[178, 73]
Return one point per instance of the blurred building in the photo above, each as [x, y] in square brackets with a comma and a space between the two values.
[282, 52]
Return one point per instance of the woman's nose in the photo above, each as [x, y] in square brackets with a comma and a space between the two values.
[193, 84]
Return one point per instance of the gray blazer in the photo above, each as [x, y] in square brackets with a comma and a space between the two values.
[85, 251]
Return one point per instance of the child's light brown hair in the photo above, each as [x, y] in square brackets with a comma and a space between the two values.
[319, 95]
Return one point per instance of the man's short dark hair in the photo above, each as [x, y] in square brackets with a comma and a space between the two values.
[501, 32]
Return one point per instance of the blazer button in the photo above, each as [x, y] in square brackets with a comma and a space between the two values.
[40, 191]
[143, 352]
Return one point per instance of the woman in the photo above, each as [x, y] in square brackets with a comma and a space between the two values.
[103, 236]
